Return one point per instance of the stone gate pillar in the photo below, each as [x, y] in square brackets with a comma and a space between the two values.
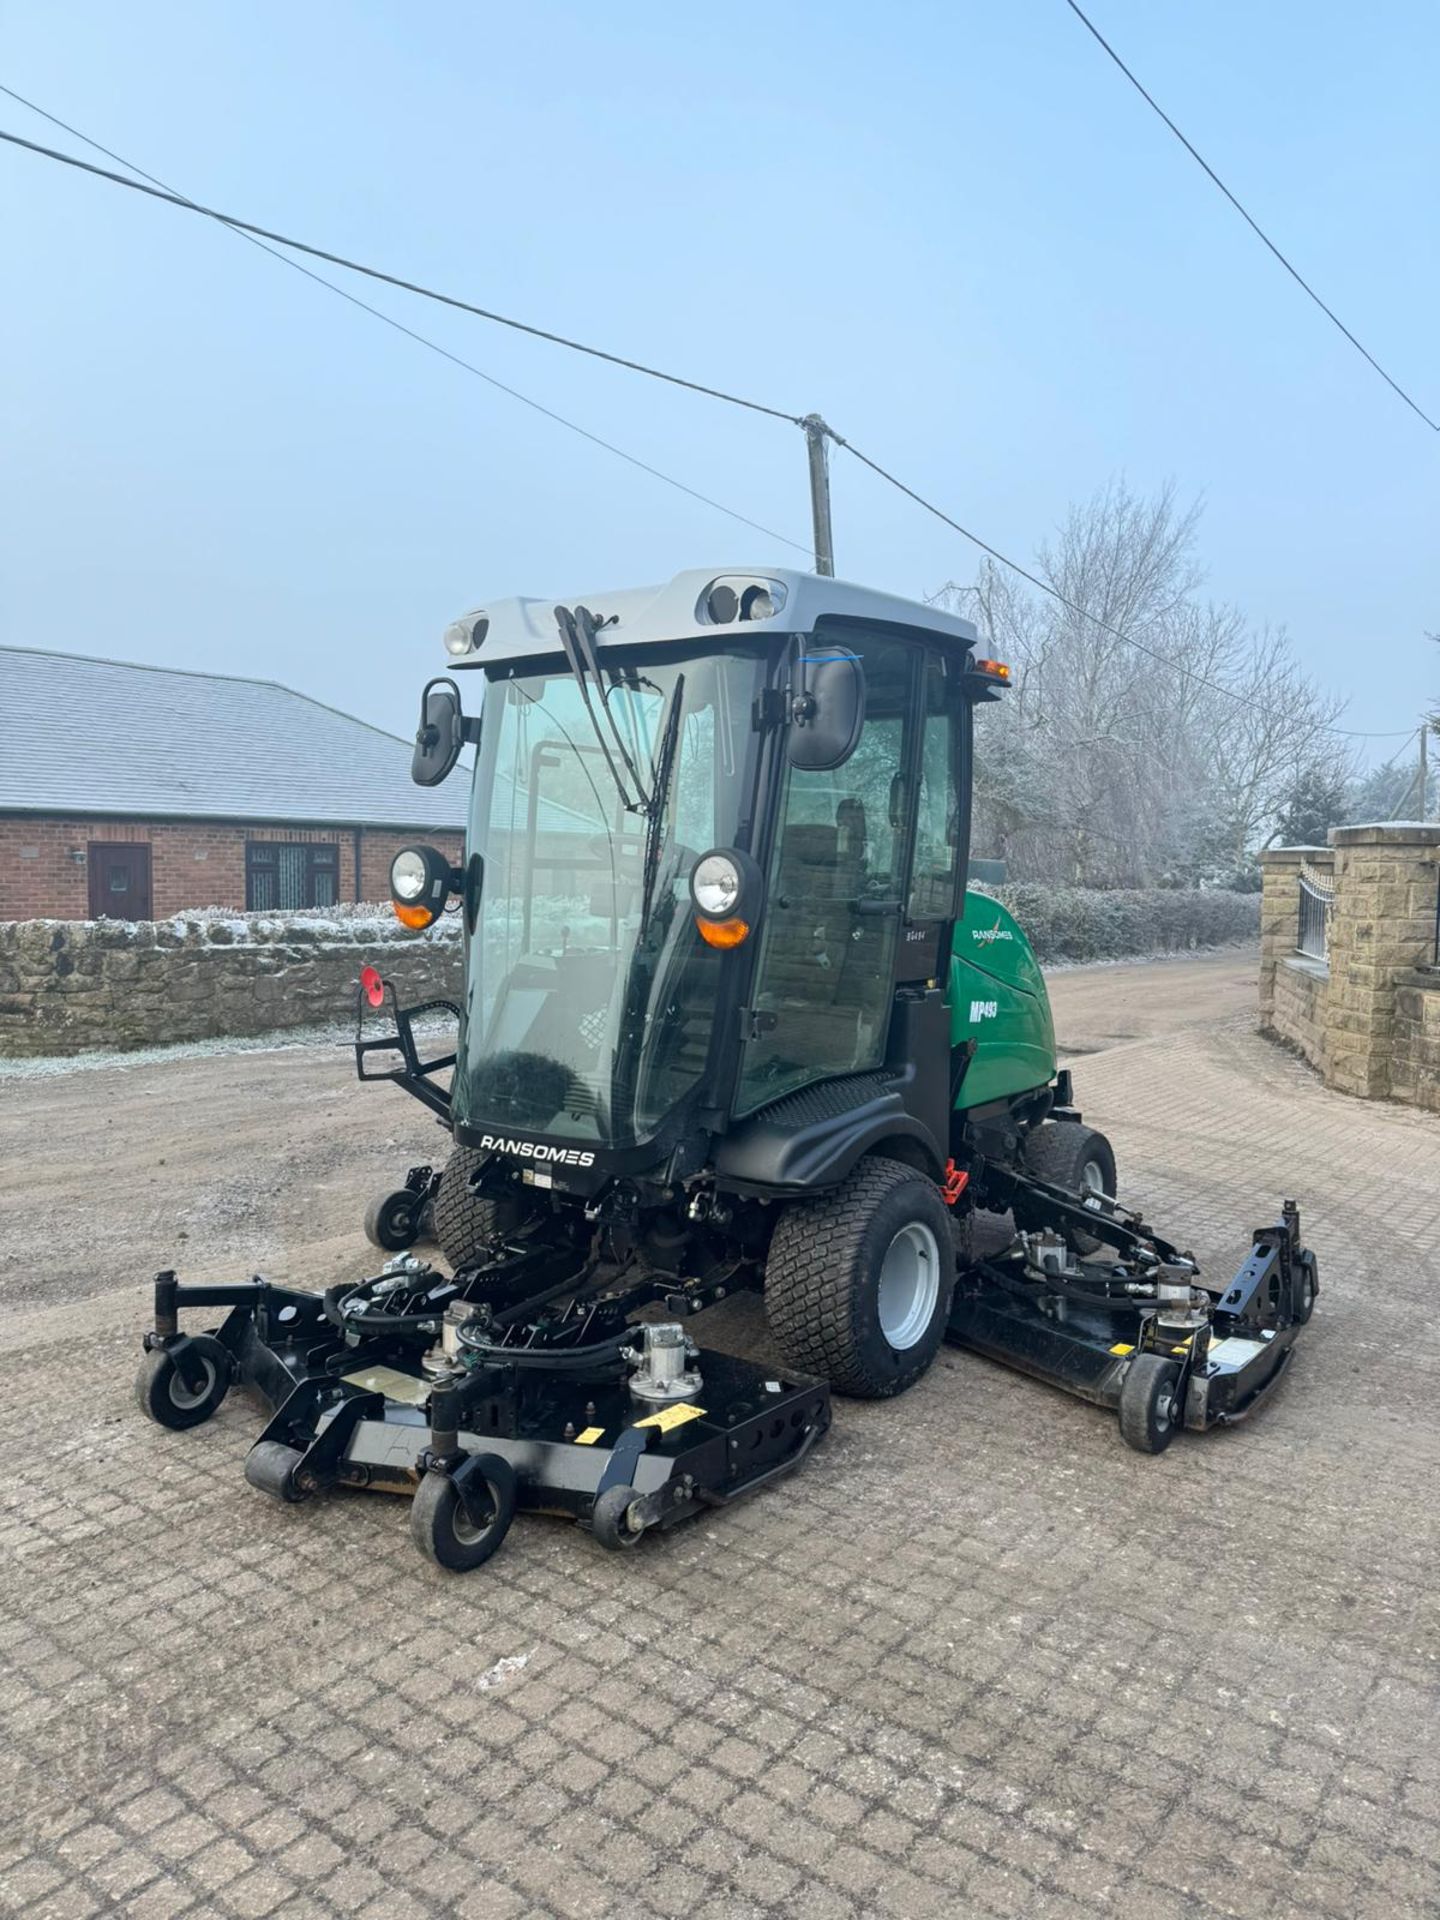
[1383, 927]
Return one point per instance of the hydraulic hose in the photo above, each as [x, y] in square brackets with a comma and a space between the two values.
[373, 1321]
[1046, 1283]
[553, 1359]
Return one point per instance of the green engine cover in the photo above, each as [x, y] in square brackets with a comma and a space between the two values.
[998, 999]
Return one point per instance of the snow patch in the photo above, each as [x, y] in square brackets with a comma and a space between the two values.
[512, 1663]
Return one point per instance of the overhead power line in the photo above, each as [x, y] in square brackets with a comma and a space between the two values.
[263, 235]
[1071, 606]
[244, 232]
[1249, 219]
[156, 192]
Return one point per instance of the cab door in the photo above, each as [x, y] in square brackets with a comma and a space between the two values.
[836, 895]
[941, 823]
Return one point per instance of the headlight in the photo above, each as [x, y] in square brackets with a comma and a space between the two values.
[465, 636]
[421, 881]
[715, 884]
[408, 875]
[726, 889]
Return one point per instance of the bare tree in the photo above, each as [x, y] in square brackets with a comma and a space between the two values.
[1111, 765]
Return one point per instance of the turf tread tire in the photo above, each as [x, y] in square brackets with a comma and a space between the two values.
[810, 1286]
[464, 1222]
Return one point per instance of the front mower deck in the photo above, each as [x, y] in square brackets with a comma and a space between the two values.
[623, 1437]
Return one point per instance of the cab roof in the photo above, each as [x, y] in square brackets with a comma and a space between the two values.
[685, 608]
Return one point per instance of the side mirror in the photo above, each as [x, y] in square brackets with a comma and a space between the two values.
[827, 713]
[440, 736]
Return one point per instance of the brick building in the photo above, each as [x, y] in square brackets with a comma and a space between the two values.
[135, 792]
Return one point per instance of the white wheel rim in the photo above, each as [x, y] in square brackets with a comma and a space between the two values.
[182, 1396]
[909, 1286]
[1092, 1187]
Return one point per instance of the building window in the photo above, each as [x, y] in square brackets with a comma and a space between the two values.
[281, 875]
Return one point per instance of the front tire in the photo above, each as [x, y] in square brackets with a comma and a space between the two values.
[1307, 1285]
[465, 1224]
[163, 1395]
[858, 1283]
[391, 1222]
[610, 1519]
[1149, 1404]
[440, 1522]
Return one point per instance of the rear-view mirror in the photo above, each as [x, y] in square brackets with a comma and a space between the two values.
[827, 713]
[441, 734]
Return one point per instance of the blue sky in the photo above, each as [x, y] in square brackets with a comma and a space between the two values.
[953, 229]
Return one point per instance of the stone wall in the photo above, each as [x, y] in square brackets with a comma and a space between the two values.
[67, 987]
[1279, 924]
[1299, 1006]
[1415, 1050]
[1369, 1017]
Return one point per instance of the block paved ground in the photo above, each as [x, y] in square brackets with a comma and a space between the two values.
[976, 1659]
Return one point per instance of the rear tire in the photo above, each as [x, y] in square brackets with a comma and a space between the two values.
[858, 1283]
[465, 1224]
[1066, 1154]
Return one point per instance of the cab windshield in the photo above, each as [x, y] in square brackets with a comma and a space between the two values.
[589, 994]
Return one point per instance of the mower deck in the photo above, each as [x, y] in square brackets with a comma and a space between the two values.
[1133, 1328]
[622, 1438]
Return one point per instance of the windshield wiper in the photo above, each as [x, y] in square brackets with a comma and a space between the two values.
[577, 637]
[659, 798]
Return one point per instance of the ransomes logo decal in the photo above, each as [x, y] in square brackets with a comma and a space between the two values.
[532, 1150]
[984, 935]
[983, 1009]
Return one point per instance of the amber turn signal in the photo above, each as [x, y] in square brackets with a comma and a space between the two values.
[413, 916]
[995, 669]
[722, 933]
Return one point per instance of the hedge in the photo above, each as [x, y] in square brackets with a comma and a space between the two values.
[1087, 923]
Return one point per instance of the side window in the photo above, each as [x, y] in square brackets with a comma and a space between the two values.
[825, 979]
[937, 816]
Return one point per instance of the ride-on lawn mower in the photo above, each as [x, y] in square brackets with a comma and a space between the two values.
[729, 1021]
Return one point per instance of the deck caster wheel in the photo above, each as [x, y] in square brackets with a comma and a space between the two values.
[392, 1222]
[1307, 1285]
[271, 1466]
[461, 1533]
[610, 1519]
[1149, 1405]
[162, 1392]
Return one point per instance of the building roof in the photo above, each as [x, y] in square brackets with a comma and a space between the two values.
[102, 737]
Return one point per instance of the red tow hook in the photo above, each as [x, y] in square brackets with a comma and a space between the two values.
[954, 1184]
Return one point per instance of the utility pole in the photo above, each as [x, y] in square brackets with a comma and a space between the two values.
[1424, 767]
[816, 434]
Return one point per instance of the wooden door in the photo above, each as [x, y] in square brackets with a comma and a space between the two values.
[119, 881]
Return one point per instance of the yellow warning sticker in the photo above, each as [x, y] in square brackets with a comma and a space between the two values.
[1122, 1346]
[675, 1416]
[1184, 1347]
[589, 1436]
